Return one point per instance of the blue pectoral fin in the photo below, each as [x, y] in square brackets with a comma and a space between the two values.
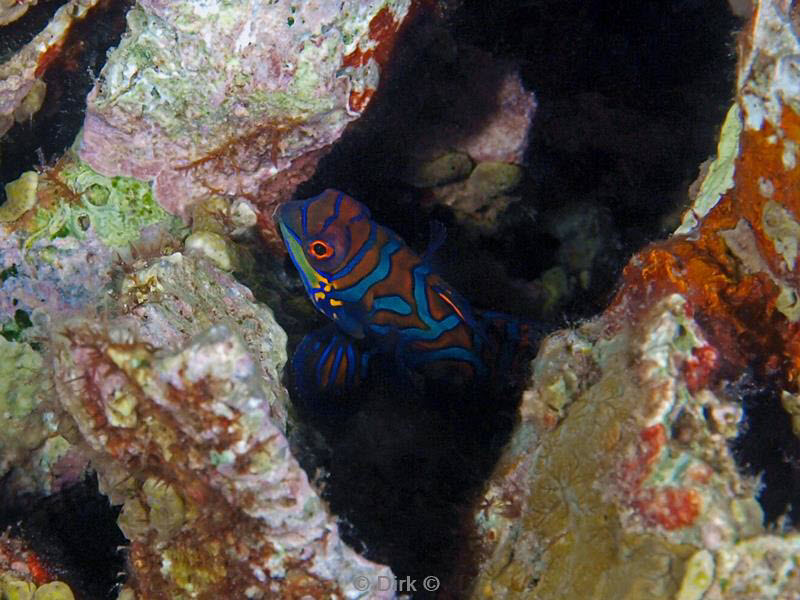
[327, 363]
[352, 325]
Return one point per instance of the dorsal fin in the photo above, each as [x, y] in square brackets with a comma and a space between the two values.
[461, 307]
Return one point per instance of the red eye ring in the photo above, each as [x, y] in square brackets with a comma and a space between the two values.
[320, 249]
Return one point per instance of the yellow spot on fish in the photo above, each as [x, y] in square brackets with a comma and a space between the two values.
[327, 287]
[335, 302]
[319, 295]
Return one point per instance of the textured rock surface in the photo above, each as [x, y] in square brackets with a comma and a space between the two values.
[11, 10]
[492, 124]
[178, 297]
[56, 255]
[237, 99]
[619, 481]
[214, 503]
[481, 198]
[33, 456]
[504, 135]
[56, 259]
[470, 158]
[619, 469]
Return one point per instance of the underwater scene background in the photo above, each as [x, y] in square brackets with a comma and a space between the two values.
[399, 298]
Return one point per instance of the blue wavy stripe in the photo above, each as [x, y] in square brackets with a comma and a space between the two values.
[355, 292]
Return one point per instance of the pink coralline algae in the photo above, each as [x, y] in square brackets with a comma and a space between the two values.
[239, 100]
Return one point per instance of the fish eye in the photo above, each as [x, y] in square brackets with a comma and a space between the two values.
[320, 249]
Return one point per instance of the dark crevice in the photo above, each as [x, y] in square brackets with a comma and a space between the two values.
[75, 537]
[631, 97]
[767, 447]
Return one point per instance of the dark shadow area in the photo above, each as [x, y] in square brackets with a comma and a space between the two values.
[630, 101]
[75, 536]
[401, 467]
[767, 447]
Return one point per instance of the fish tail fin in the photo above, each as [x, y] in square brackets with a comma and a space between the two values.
[511, 342]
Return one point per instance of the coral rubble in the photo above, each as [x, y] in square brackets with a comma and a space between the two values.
[620, 479]
[170, 389]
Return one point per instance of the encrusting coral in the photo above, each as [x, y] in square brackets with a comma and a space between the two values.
[156, 364]
[620, 480]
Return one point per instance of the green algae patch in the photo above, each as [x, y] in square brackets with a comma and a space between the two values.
[20, 377]
[20, 197]
[117, 207]
[74, 198]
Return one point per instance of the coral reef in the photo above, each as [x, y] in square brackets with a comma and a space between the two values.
[33, 455]
[621, 472]
[61, 231]
[128, 343]
[178, 297]
[483, 196]
[582, 486]
[236, 99]
[58, 237]
[471, 159]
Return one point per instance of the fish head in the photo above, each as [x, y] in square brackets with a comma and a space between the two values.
[323, 235]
